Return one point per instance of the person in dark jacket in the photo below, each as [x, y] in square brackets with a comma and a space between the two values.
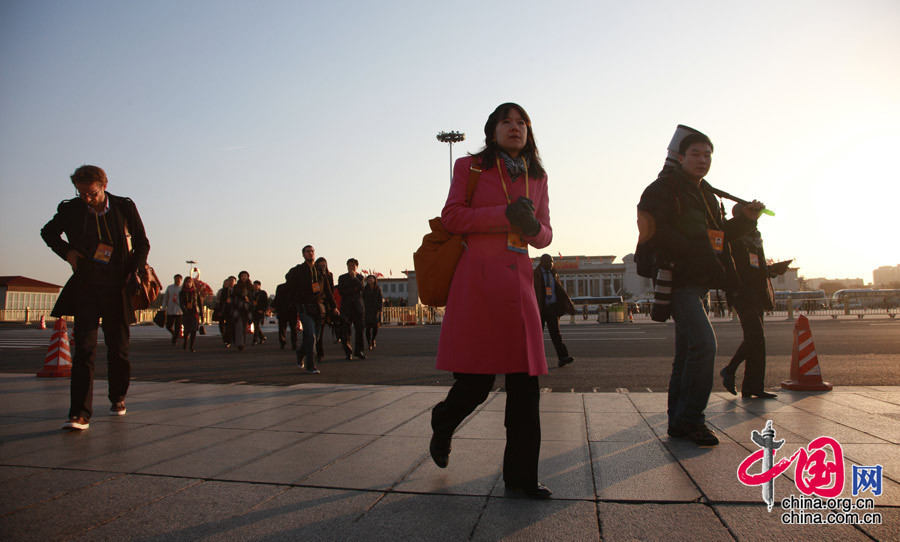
[335, 323]
[105, 246]
[754, 297]
[313, 297]
[350, 286]
[684, 225]
[373, 301]
[260, 300]
[553, 302]
[241, 308]
[286, 312]
[191, 303]
[222, 312]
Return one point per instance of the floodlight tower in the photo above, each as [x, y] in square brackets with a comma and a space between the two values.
[451, 138]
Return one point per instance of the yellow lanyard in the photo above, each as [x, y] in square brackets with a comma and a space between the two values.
[709, 212]
[502, 169]
[106, 225]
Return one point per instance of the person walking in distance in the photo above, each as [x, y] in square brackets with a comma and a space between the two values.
[241, 308]
[286, 313]
[260, 301]
[322, 267]
[491, 323]
[222, 311]
[373, 300]
[313, 298]
[105, 246]
[350, 286]
[191, 302]
[173, 308]
[553, 302]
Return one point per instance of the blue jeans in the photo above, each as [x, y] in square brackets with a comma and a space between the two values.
[312, 327]
[695, 357]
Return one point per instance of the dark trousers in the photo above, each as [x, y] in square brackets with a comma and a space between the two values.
[695, 357]
[173, 324]
[371, 331]
[555, 336]
[312, 329]
[258, 320]
[358, 345]
[226, 331]
[288, 321]
[522, 420]
[752, 348]
[93, 305]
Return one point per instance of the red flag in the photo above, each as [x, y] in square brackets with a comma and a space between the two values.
[560, 255]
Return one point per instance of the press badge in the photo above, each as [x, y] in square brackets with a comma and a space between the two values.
[717, 240]
[316, 288]
[754, 261]
[103, 253]
[516, 243]
[548, 291]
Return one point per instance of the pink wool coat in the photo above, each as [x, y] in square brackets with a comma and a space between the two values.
[491, 323]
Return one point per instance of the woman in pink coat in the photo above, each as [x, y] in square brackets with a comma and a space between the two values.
[492, 324]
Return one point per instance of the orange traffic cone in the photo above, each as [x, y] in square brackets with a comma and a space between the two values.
[806, 375]
[59, 359]
[43, 322]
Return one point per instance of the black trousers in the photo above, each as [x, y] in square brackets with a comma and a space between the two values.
[371, 331]
[288, 321]
[173, 324]
[93, 305]
[522, 420]
[555, 336]
[752, 348]
[258, 320]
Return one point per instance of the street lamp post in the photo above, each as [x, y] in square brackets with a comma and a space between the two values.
[451, 138]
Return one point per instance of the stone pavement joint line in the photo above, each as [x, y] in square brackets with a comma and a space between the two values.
[230, 461]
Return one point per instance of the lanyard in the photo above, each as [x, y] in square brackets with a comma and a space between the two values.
[106, 225]
[313, 273]
[709, 212]
[502, 170]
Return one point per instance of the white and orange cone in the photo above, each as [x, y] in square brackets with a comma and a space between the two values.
[59, 358]
[806, 374]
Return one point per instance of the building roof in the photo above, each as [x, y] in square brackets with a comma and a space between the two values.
[19, 280]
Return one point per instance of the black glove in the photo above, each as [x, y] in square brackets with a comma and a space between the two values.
[521, 213]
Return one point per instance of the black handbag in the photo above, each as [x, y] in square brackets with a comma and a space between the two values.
[160, 318]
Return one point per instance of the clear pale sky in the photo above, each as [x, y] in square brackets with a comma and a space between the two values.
[244, 131]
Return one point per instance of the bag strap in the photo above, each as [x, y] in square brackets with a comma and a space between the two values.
[474, 174]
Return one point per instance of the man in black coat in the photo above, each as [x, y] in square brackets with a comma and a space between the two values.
[683, 225]
[105, 246]
[350, 286]
[553, 302]
[286, 312]
[754, 297]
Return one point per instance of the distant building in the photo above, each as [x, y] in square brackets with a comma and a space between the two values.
[816, 283]
[396, 289]
[18, 293]
[788, 281]
[885, 275]
[595, 276]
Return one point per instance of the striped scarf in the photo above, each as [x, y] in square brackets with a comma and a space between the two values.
[515, 168]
